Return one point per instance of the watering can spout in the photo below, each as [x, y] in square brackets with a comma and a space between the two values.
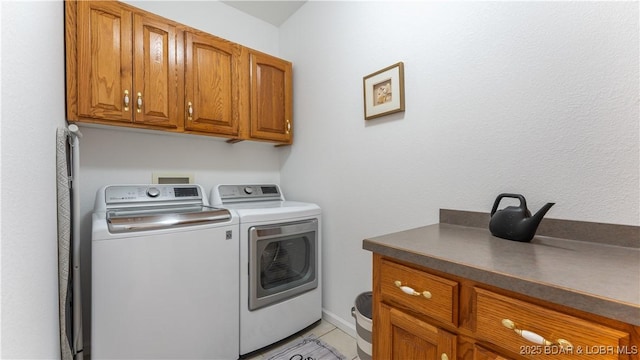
[537, 217]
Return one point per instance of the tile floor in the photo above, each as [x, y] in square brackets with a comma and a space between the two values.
[324, 330]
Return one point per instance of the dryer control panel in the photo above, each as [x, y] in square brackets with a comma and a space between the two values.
[238, 193]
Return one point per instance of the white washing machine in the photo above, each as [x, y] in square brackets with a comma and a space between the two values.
[164, 275]
[280, 262]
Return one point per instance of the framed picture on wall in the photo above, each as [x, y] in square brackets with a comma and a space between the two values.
[384, 91]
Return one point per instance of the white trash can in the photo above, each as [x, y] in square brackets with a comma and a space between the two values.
[362, 311]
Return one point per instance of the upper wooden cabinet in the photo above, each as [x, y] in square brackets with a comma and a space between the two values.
[271, 98]
[105, 61]
[155, 72]
[126, 66]
[212, 84]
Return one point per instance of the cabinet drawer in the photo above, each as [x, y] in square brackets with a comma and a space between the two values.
[419, 291]
[500, 319]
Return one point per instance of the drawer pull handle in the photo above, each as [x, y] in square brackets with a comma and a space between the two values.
[409, 291]
[533, 337]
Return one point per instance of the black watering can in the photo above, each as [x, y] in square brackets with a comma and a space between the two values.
[515, 222]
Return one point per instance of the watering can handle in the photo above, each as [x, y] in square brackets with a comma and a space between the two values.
[523, 202]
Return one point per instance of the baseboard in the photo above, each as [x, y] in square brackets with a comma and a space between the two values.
[340, 323]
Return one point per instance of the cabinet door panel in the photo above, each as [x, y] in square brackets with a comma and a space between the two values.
[406, 337]
[104, 60]
[480, 353]
[155, 73]
[211, 79]
[271, 103]
[410, 346]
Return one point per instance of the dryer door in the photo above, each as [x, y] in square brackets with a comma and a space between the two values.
[283, 261]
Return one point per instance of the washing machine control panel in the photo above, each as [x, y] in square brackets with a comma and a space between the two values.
[119, 194]
[153, 192]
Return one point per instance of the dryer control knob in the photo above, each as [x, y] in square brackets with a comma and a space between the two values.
[153, 192]
[248, 190]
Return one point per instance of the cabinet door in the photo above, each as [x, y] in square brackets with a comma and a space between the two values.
[480, 353]
[104, 61]
[155, 72]
[271, 98]
[402, 336]
[211, 85]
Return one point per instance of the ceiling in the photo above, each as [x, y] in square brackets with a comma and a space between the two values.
[273, 12]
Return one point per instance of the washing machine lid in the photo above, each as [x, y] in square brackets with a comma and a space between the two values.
[130, 219]
[140, 207]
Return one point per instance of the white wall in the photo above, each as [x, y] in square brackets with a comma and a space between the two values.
[32, 109]
[218, 19]
[538, 98]
[33, 99]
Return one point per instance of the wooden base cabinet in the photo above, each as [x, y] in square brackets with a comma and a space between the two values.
[480, 353]
[516, 324]
[420, 313]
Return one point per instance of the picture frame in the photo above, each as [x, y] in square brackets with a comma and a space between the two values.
[384, 91]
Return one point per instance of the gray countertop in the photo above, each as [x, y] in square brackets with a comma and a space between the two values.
[596, 278]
